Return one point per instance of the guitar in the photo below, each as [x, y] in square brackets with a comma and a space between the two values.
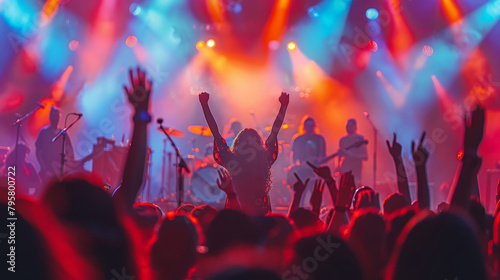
[49, 172]
[305, 171]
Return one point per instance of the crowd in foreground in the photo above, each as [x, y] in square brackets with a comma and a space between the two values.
[76, 230]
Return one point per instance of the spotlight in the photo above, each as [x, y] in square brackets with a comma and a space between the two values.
[312, 12]
[211, 43]
[131, 41]
[372, 46]
[200, 45]
[372, 13]
[234, 7]
[73, 45]
[291, 46]
[134, 9]
[427, 50]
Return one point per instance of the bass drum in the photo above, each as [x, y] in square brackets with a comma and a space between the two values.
[204, 185]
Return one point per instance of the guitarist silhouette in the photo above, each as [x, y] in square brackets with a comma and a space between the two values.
[351, 154]
[48, 152]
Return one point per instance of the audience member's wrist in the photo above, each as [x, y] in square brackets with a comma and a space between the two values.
[231, 195]
[141, 116]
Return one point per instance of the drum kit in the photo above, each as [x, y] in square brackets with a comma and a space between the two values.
[200, 185]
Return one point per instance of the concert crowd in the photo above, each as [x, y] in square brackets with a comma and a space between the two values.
[76, 229]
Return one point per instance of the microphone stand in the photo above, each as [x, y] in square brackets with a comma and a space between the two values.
[63, 133]
[19, 123]
[181, 166]
[375, 136]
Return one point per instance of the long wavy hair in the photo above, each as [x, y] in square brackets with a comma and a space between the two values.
[305, 118]
[253, 178]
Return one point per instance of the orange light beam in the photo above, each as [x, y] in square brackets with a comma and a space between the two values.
[402, 39]
[49, 9]
[277, 21]
[215, 10]
[451, 10]
[58, 88]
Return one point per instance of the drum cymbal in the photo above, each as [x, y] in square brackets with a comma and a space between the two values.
[283, 126]
[173, 132]
[200, 130]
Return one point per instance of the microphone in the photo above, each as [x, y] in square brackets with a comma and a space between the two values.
[159, 120]
[77, 114]
[40, 105]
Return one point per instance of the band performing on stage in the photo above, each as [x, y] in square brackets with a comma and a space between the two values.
[250, 139]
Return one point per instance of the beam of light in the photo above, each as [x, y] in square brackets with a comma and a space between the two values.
[397, 97]
[452, 49]
[276, 23]
[19, 15]
[101, 40]
[58, 87]
[49, 10]
[291, 46]
[451, 10]
[215, 10]
[401, 39]
[319, 36]
[445, 101]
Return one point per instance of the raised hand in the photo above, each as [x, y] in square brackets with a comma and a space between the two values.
[396, 148]
[139, 92]
[317, 195]
[474, 130]
[322, 171]
[346, 190]
[225, 183]
[284, 99]
[420, 155]
[299, 186]
[204, 98]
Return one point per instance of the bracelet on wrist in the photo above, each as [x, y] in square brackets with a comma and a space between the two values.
[142, 116]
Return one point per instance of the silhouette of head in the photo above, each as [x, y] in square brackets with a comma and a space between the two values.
[247, 138]
[236, 127]
[174, 251]
[442, 246]
[230, 228]
[394, 202]
[351, 126]
[309, 125]
[324, 256]
[54, 116]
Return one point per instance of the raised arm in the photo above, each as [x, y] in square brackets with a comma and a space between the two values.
[225, 183]
[325, 173]
[278, 122]
[420, 156]
[298, 189]
[317, 196]
[138, 96]
[212, 124]
[395, 151]
[344, 200]
[471, 161]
